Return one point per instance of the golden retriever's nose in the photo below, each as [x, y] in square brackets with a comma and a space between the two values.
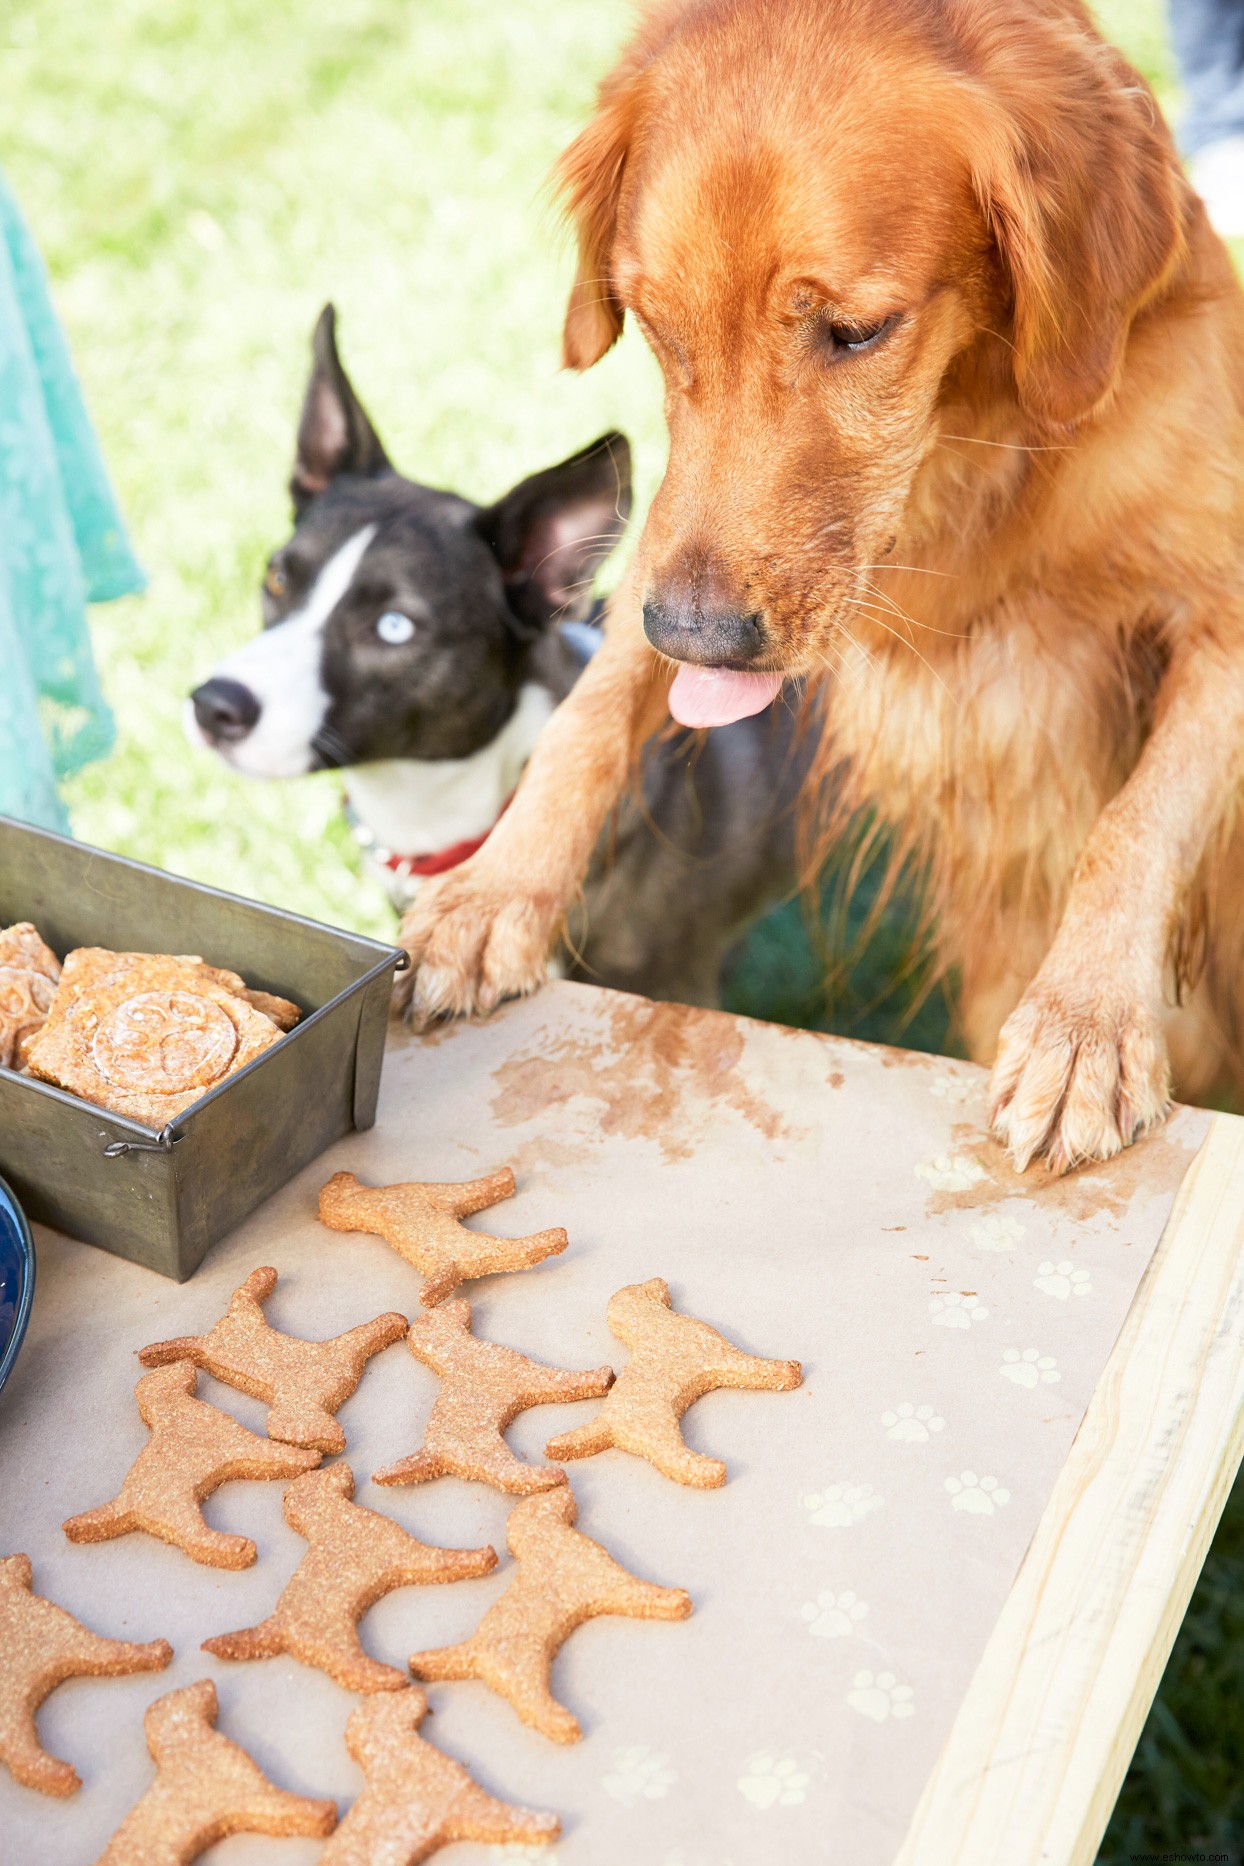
[688, 630]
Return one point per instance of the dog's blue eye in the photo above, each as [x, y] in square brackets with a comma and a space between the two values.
[394, 627]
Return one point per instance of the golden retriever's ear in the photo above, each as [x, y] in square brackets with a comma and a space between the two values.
[1085, 198]
[589, 179]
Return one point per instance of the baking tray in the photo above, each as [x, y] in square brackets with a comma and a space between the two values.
[162, 1199]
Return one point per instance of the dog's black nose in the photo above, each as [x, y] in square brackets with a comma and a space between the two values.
[707, 637]
[225, 710]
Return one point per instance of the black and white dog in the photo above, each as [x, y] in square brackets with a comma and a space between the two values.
[418, 643]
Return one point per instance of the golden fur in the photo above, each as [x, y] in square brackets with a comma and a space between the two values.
[1008, 539]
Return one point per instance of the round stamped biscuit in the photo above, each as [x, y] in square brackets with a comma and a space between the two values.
[29, 971]
[163, 1042]
[25, 993]
[144, 1035]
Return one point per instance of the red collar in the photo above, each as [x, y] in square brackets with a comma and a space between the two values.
[440, 859]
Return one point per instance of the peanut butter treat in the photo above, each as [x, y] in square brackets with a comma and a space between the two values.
[205, 1789]
[483, 1388]
[193, 1449]
[283, 1014]
[279, 1010]
[89, 966]
[29, 972]
[674, 1361]
[304, 1382]
[40, 1646]
[148, 1041]
[423, 1224]
[563, 1579]
[356, 1557]
[417, 1799]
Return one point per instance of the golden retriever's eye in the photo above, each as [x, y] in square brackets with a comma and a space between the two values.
[845, 339]
[274, 582]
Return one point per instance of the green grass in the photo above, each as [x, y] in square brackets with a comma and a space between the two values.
[202, 175]
[202, 178]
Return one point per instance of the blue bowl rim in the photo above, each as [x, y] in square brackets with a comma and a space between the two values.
[26, 1294]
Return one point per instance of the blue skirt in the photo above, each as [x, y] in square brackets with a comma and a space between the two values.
[62, 545]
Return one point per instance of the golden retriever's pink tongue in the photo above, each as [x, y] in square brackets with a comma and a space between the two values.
[717, 696]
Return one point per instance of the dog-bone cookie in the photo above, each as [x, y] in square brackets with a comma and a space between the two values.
[356, 1556]
[147, 1042]
[193, 1449]
[303, 1382]
[418, 1799]
[205, 1788]
[29, 972]
[422, 1221]
[675, 1360]
[563, 1579]
[41, 1645]
[483, 1388]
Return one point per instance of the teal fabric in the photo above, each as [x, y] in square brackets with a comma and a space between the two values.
[62, 545]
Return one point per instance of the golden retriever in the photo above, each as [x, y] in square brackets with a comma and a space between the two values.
[954, 379]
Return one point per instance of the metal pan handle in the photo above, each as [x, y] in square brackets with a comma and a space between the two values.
[164, 1142]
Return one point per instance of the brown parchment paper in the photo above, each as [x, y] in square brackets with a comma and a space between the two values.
[810, 1197]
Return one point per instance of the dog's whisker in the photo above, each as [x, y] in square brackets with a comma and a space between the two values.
[879, 608]
[591, 537]
[860, 649]
[906, 643]
[920, 570]
[1018, 447]
[331, 742]
[888, 602]
[898, 610]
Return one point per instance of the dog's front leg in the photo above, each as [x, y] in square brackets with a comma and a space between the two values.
[1082, 1065]
[484, 932]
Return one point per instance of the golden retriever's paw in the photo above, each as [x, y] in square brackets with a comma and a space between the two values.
[472, 944]
[1077, 1082]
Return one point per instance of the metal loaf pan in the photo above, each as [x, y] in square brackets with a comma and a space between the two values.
[162, 1199]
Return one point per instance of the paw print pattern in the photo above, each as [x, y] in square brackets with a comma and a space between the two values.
[949, 1086]
[1029, 1369]
[978, 1496]
[638, 1775]
[774, 1781]
[834, 1616]
[996, 1231]
[951, 1172]
[956, 1309]
[1062, 1280]
[880, 1696]
[911, 1425]
[840, 1506]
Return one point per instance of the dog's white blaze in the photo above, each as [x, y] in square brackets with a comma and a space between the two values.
[282, 669]
[419, 806]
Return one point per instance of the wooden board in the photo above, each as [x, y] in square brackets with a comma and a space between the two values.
[1039, 1749]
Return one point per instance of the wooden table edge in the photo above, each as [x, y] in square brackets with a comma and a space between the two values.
[1038, 1750]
